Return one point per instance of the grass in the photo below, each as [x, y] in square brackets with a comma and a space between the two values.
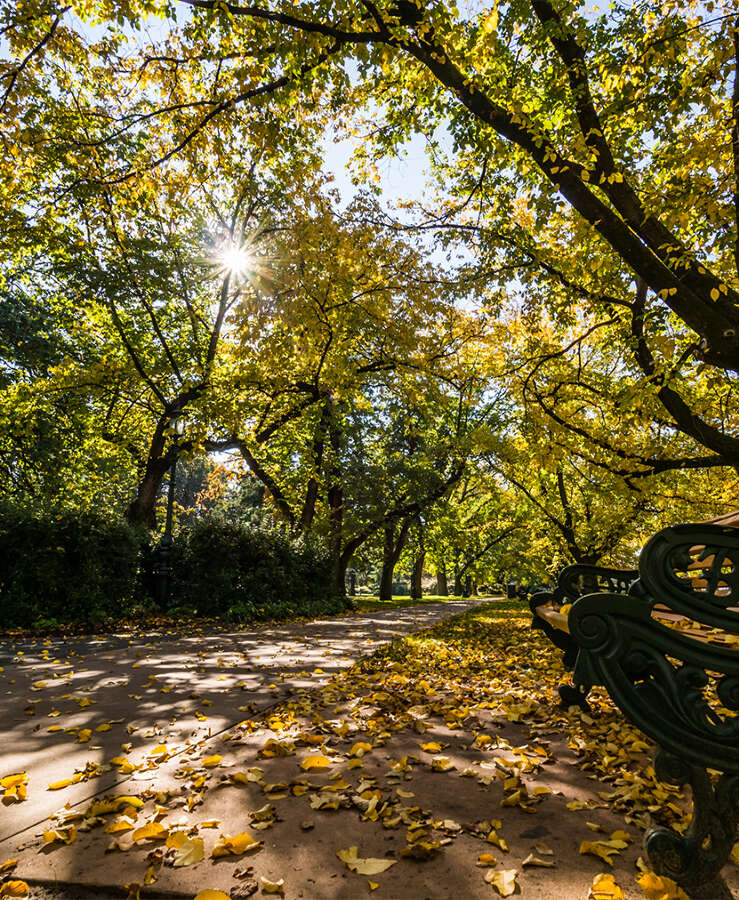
[370, 604]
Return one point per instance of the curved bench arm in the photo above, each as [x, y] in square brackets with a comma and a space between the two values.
[680, 687]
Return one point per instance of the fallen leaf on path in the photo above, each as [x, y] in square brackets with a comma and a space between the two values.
[657, 887]
[210, 762]
[235, 845]
[60, 835]
[212, 895]
[503, 881]
[273, 887]
[8, 865]
[16, 787]
[532, 860]
[605, 850]
[58, 785]
[604, 887]
[152, 831]
[187, 850]
[487, 860]
[315, 762]
[14, 889]
[363, 866]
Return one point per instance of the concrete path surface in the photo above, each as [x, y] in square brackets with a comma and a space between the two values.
[70, 706]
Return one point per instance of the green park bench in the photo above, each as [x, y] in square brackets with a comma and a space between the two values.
[664, 642]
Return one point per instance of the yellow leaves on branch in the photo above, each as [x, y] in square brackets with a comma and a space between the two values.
[15, 787]
[366, 866]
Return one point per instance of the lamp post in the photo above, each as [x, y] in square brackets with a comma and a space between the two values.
[177, 427]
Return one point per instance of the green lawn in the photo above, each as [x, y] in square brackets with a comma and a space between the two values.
[368, 603]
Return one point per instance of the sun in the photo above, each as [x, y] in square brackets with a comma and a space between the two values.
[235, 259]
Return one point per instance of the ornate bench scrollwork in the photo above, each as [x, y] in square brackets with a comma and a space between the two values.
[668, 654]
[572, 582]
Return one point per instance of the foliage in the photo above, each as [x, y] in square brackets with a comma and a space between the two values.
[65, 566]
[247, 574]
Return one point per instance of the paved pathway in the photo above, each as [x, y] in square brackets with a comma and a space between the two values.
[70, 706]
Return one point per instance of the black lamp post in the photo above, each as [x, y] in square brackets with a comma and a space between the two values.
[177, 427]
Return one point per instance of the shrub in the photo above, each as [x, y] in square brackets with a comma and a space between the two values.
[58, 567]
[246, 573]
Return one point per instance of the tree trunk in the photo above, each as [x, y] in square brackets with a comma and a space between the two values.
[417, 575]
[457, 582]
[335, 523]
[391, 550]
[442, 588]
[468, 586]
[142, 509]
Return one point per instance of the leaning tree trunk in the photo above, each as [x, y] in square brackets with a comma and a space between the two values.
[442, 588]
[142, 509]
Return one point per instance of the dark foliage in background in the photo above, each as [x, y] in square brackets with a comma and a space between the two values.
[72, 567]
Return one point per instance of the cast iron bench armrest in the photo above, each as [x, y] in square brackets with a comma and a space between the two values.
[680, 686]
[572, 582]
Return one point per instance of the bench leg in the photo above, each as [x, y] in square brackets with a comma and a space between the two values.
[694, 860]
[574, 695]
[560, 639]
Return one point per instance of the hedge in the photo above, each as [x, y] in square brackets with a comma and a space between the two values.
[63, 567]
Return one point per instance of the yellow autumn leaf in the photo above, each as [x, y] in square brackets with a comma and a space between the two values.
[431, 747]
[360, 748]
[657, 887]
[504, 881]
[234, 845]
[441, 764]
[16, 888]
[364, 866]
[106, 726]
[58, 785]
[315, 762]
[604, 850]
[15, 785]
[532, 860]
[212, 895]
[125, 823]
[189, 851]
[604, 887]
[493, 838]
[486, 859]
[210, 762]
[63, 835]
[152, 831]
[273, 887]
[84, 735]
[8, 865]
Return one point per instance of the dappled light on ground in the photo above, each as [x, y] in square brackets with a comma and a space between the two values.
[439, 767]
